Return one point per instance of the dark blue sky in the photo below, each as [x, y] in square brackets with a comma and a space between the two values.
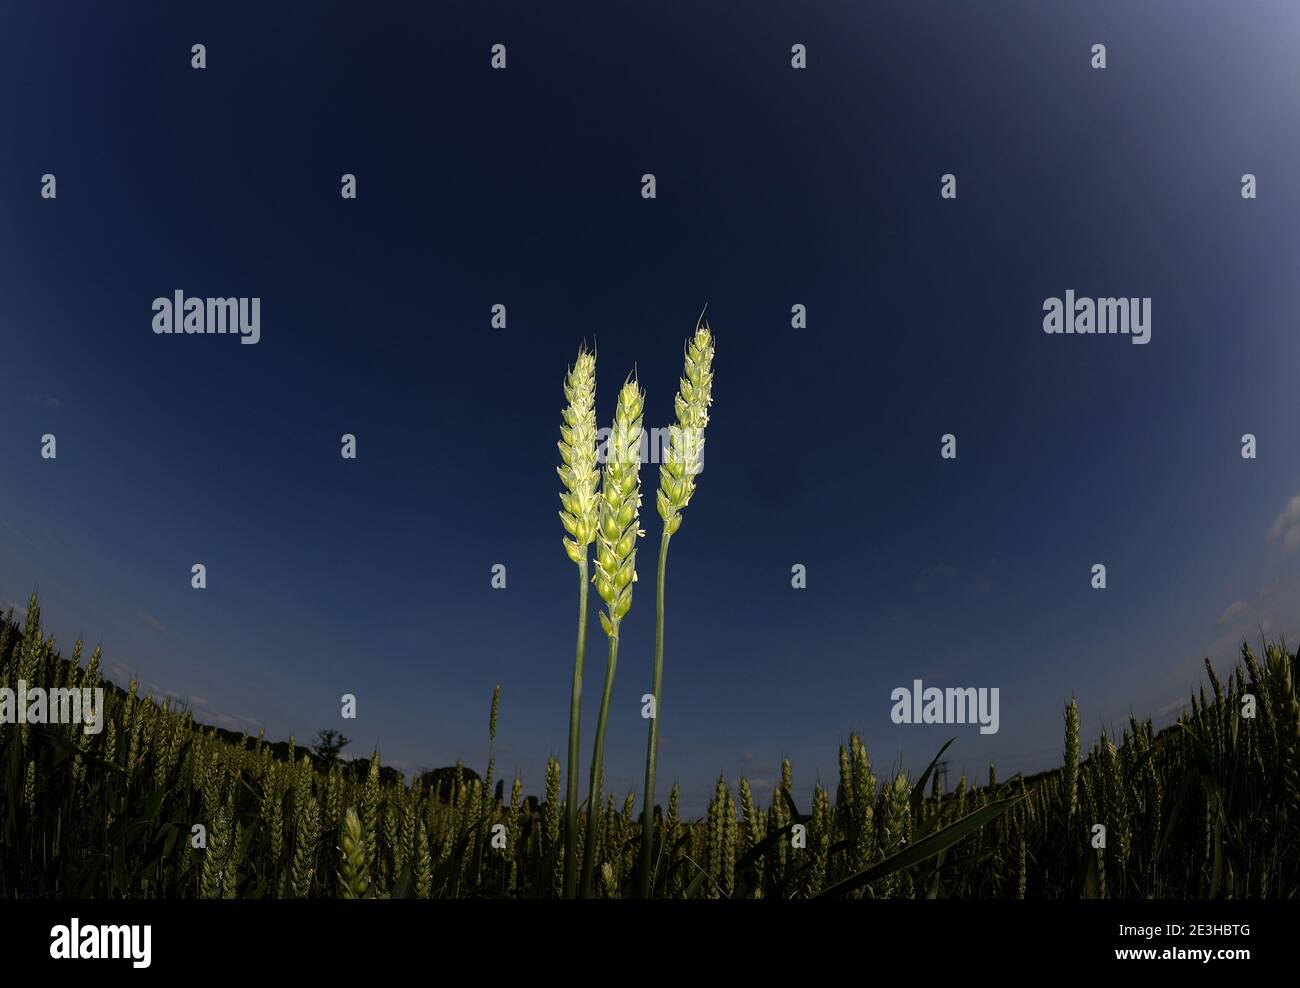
[775, 187]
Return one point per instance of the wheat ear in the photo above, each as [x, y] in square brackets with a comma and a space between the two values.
[677, 475]
[580, 501]
[617, 532]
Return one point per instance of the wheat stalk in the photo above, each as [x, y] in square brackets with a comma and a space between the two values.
[676, 486]
[551, 829]
[492, 750]
[354, 875]
[307, 830]
[580, 517]
[423, 863]
[1071, 759]
[617, 532]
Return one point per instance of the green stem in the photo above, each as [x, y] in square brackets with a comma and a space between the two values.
[575, 714]
[652, 746]
[597, 770]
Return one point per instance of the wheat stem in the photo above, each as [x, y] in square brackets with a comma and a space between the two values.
[644, 881]
[575, 714]
[597, 770]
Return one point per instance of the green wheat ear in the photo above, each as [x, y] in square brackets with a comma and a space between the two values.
[1071, 780]
[616, 535]
[620, 503]
[354, 876]
[581, 516]
[684, 459]
[578, 470]
[685, 455]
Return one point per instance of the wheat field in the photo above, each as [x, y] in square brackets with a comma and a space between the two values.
[1206, 808]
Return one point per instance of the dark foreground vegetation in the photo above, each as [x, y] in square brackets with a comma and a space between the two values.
[156, 805]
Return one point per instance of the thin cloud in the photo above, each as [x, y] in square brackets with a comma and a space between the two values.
[205, 714]
[1287, 525]
[1232, 611]
[24, 538]
[1171, 706]
[234, 722]
[151, 621]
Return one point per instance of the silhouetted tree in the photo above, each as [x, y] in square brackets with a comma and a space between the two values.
[329, 743]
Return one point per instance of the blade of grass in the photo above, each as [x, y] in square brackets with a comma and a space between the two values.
[922, 849]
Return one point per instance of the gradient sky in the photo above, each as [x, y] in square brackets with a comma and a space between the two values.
[775, 187]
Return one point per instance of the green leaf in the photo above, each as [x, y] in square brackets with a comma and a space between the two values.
[149, 809]
[696, 882]
[794, 810]
[1174, 817]
[918, 790]
[922, 849]
[402, 887]
[1216, 876]
[662, 876]
[763, 846]
[1090, 878]
[63, 745]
